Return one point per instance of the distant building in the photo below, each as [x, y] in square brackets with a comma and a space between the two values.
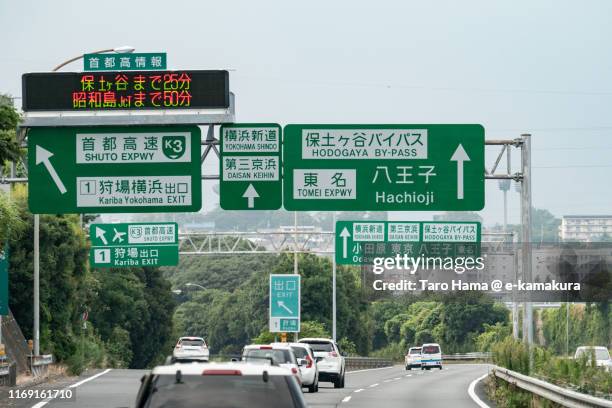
[586, 228]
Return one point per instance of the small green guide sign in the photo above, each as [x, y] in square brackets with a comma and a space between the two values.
[250, 167]
[131, 245]
[284, 303]
[114, 169]
[358, 242]
[383, 167]
[138, 61]
[4, 265]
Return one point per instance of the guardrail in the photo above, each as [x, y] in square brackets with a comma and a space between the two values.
[360, 363]
[40, 364]
[551, 392]
[8, 372]
[467, 356]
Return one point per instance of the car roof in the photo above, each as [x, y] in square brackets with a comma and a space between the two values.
[592, 348]
[190, 338]
[430, 344]
[317, 339]
[415, 348]
[305, 345]
[199, 368]
[275, 346]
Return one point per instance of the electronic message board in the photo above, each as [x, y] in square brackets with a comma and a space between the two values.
[133, 90]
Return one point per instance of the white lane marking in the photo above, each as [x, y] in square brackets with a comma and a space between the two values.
[369, 369]
[374, 385]
[346, 399]
[387, 381]
[93, 377]
[408, 375]
[359, 390]
[396, 378]
[473, 395]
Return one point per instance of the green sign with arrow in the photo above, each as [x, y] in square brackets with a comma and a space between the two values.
[114, 169]
[285, 303]
[131, 245]
[359, 242]
[383, 167]
[250, 173]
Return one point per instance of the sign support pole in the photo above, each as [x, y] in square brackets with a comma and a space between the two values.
[334, 282]
[526, 239]
[295, 254]
[36, 284]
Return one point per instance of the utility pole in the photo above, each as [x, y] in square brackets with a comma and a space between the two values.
[526, 239]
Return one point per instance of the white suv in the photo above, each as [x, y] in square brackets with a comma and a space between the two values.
[279, 354]
[307, 364]
[330, 360]
[191, 349]
[413, 358]
[219, 385]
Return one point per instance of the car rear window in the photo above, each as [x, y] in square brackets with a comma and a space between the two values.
[195, 343]
[260, 355]
[415, 351]
[431, 350]
[300, 352]
[213, 391]
[320, 345]
[600, 354]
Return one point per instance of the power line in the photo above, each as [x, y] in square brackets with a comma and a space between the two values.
[575, 166]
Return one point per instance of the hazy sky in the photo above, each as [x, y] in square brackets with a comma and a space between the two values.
[542, 67]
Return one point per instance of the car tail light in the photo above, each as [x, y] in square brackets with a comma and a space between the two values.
[309, 365]
[333, 354]
[294, 370]
[222, 372]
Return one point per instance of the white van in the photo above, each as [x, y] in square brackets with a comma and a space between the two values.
[431, 356]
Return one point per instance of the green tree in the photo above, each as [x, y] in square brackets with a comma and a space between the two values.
[63, 260]
[464, 317]
[139, 301]
[9, 118]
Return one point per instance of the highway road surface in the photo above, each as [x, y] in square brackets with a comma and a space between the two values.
[393, 386]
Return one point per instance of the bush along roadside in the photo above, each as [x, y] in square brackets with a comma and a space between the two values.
[581, 375]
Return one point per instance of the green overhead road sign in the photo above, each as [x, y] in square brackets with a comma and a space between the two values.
[131, 245]
[358, 242]
[250, 167]
[383, 167]
[4, 264]
[284, 303]
[137, 61]
[114, 169]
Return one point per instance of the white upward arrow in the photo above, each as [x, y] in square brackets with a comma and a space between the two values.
[460, 156]
[280, 303]
[43, 156]
[345, 235]
[250, 194]
[100, 235]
